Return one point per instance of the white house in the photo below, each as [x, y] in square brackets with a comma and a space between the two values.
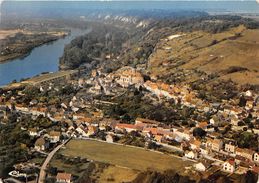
[230, 148]
[256, 157]
[191, 155]
[82, 131]
[109, 138]
[201, 166]
[229, 166]
[41, 144]
[54, 136]
[214, 144]
[204, 151]
[183, 134]
[33, 132]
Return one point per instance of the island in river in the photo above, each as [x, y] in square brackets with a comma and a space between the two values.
[18, 43]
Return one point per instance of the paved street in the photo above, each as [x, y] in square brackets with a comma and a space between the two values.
[42, 175]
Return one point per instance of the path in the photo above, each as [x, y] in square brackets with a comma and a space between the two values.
[42, 175]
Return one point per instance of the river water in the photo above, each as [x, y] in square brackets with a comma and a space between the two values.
[44, 58]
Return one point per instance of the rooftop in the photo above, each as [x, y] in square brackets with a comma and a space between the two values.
[64, 176]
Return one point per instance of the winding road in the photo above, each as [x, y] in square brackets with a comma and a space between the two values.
[42, 175]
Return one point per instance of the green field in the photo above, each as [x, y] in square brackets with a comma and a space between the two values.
[130, 157]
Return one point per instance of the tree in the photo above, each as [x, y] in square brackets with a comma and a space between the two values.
[199, 132]
[249, 177]
[242, 101]
[245, 139]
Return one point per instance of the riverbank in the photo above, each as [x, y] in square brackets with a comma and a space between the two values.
[43, 58]
[19, 43]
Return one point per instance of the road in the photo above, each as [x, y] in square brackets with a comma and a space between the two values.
[42, 175]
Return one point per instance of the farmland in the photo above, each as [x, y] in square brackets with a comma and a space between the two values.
[124, 156]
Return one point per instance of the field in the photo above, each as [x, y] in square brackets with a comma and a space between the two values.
[117, 174]
[129, 157]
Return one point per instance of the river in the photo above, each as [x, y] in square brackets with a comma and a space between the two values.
[44, 58]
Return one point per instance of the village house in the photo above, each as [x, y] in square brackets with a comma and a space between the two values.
[57, 117]
[146, 122]
[191, 154]
[82, 131]
[162, 89]
[249, 105]
[109, 138]
[70, 130]
[256, 157]
[234, 120]
[64, 178]
[248, 93]
[246, 153]
[202, 125]
[81, 82]
[33, 102]
[214, 121]
[157, 131]
[128, 127]
[184, 134]
[195, 144]
[41, 144]
[203, 150]
[202, 166]
[22, 108]
[92, 130]
[159, 138]
[33, 132]
[54, 136]
[87, 121]
[107, 123]
[229, 166]
[230, 148]
[214, 144]
[37, 111]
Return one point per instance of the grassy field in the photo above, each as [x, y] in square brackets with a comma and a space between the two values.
[133, 158]
[117, 175]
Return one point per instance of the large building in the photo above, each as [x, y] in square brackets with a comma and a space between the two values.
[127, 76]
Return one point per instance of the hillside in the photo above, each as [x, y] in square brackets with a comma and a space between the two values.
[232, 54]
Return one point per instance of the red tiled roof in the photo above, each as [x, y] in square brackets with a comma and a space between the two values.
[231, 161]
[203, 124]
[157, 131]
[195, 142]
[255, 169]
[130, 126]
[63, 176]
[149, 121]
